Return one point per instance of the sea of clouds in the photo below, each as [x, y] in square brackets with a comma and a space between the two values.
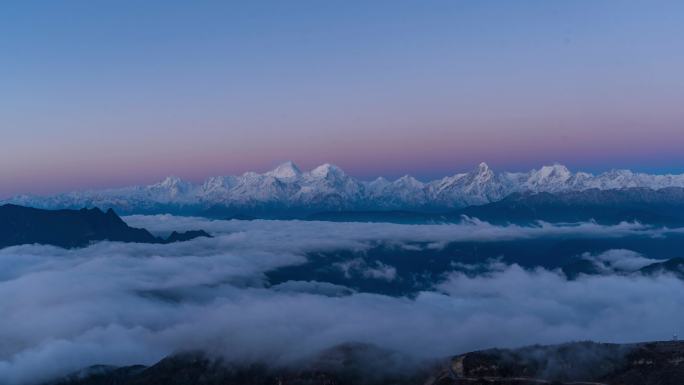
[124, 303]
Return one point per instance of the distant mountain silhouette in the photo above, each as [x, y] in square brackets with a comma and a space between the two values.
[73, 228]
[657, 207]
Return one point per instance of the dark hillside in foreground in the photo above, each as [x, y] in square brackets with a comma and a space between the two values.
[72, 228]
[347, 364]
[578, 363]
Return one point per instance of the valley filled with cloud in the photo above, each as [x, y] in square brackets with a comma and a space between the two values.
[128, 303]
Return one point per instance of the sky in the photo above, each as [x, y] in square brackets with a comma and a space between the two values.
[112, 93]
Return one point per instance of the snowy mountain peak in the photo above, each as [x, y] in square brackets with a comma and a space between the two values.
[171, 181]
[555, 170]
[173, 184]
[170, 188]
[551, 179]
[483, 172]
[409, 181]
[285, 170]
[554, 173]
[327, 170]
[219, 183]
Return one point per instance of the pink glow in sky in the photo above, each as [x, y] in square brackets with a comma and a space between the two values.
[120, 94]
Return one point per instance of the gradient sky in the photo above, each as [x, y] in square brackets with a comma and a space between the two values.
[110, 93]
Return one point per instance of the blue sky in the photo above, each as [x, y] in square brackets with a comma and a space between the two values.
[105, 93]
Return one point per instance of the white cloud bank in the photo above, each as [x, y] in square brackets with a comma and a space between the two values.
[120, 304]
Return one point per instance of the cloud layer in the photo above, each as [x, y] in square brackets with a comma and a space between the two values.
[120, 304]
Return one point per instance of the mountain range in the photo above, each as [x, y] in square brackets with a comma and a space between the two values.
[287, 189]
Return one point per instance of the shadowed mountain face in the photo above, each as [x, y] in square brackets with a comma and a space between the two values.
[656, 207]
[580, 363]
[72, 228]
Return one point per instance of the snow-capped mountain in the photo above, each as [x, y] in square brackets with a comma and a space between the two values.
[327, 187]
